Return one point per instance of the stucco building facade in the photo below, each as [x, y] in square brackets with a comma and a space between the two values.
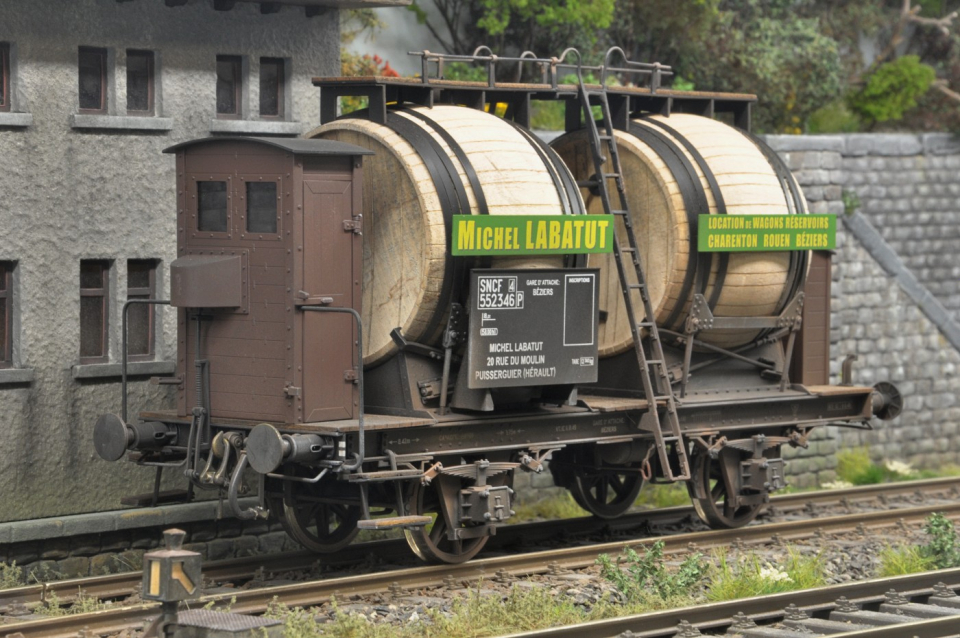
[93, 91]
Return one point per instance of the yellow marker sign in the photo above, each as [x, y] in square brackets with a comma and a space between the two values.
[154, 578]
[531, 234]
[177, 574]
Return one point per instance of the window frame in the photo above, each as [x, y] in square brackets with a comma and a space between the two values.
[6, 299]
[102, 52]
[281, 65]
[243, 199]
[5, 83]
[237, 62]
[151, 58]
[150, 292]
[104, 293]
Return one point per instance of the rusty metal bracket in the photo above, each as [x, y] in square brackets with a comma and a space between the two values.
[532, 461]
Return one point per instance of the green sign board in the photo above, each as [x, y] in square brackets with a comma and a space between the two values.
[755, 233]
[531, 234]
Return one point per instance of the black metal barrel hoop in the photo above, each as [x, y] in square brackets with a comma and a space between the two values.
[799, 259]
[452, 196]
[695, 203]
[723, 259]
[481, 199]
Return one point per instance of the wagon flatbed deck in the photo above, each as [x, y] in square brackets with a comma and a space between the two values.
[593, 419]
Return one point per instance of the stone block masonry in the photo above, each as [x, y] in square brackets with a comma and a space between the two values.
[896, 301]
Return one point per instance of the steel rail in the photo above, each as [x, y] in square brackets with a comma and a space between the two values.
[714, 616]
[124, 584]
[306, 594]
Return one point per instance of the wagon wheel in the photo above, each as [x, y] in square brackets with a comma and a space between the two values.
[430, 542]
[715, 510]
[320, 524]
[606, 494]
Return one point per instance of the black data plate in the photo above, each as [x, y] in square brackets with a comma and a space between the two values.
[533, 327]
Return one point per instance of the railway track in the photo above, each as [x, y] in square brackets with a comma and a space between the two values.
[920, 605]
[116, 586]
[316, 592]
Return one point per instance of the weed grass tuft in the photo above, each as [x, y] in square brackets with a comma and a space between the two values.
[902, 560]
[646, 573]
[10, 575]
[750, 576]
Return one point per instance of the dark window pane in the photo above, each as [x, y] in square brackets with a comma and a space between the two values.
[262, 207]
[3, 277]
[4, 349]
[271, 86]
[91, 274]
[228, 85]
[138, 273]
[139, 80]
[91, 79]
[138, 327]
[212, 206]
[4, 76]
[91, 327]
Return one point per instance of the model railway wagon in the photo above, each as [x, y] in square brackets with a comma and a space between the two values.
[389, 319]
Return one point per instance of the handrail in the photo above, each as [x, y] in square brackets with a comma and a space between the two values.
[549, 66]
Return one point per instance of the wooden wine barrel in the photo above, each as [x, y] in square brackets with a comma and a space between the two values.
[676, 168]
[429, 164]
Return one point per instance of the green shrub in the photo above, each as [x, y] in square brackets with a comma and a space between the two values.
[10, 575]
[854, 466]
[943, 548]
[892, 89]
[835, 117]
[647, 574]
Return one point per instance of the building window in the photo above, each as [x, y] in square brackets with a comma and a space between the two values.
[6, 314]
[93, 80]
[94, 293]
[272, 80]
[229, 70]
[141, 284]
[4, 76]
[140, 82]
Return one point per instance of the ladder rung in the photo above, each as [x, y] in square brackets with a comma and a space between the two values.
[611, 175]
[618, 211]
[636, 286]
[606, 138]
[654, 362]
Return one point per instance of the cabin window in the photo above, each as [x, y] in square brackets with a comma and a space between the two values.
[141, 284]
[94, 293]
[212, 206]
[140, 82]
[272, 80]
[93, 80]
[262, 207]
[228, 86]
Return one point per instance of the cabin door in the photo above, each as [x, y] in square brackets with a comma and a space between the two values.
[329, 339]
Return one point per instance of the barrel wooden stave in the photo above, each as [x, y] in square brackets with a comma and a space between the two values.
[754, 282]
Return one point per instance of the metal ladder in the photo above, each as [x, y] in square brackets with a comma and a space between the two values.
[656, 386]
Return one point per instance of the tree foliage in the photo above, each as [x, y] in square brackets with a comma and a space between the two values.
[513, 26]
[892, 89]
